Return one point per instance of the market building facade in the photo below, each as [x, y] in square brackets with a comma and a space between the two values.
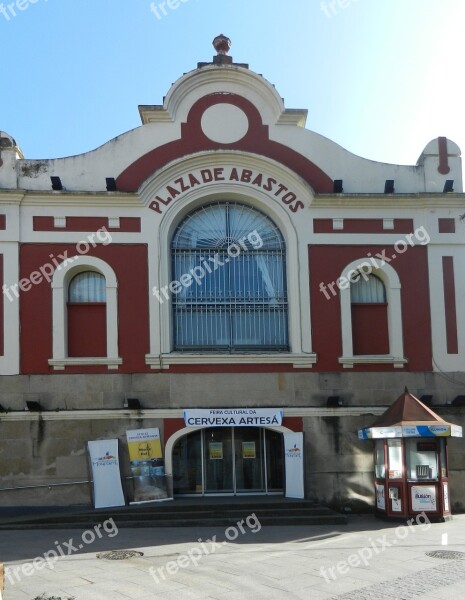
[230, 277]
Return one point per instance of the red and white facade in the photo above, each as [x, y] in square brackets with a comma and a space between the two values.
[223, 134]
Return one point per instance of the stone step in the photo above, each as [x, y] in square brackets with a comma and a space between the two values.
[181, 514]
[198, 522]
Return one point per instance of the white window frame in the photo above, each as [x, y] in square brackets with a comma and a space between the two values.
[300, 355]
[293, 228]
[60, 282]
[392, 286]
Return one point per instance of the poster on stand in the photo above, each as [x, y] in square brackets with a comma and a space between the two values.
[380, 496]
[147, 465]
[424, 498]
[106, 476]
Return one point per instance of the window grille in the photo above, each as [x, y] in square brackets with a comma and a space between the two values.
[237, 298]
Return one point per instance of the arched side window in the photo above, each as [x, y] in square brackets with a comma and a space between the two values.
[87, 335]
[370, 332]
[230, 260]
[369, 289]
[371, 315]
[85, 314]
[88, 286]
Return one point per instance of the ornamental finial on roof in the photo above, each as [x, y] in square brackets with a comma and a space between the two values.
[222, 44]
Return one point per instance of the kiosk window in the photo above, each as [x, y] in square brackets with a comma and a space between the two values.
[395, 459]
[380, 467]
[422, 460]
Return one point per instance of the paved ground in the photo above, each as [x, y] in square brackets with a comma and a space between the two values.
[367, 559]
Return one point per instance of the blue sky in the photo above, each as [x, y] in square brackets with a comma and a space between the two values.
[380, 77]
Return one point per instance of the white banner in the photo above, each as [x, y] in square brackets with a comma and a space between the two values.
[106, 475]
[233, 417]
[398, 431]
[294, 461]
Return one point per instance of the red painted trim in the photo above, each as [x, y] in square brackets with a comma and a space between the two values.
[2, 308]
[170, 427]
[127, 224]
[324, 226]
[2, 222]
[446, 225]
[42, 224]
[363, 226]
[193, 140]
[443, 167]
[450, 309]
[293, 423]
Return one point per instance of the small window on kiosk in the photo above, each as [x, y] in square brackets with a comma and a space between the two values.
[380, 466]
[395, 459]
[422, 460]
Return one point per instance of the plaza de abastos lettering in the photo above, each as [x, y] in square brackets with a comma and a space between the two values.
[209, 176]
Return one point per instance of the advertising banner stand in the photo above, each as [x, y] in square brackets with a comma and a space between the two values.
[147, 466]
[107, 490]
[294, 460]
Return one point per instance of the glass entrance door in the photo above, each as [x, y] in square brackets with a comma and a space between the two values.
[218, 460]
[229, 460]
[248, 454]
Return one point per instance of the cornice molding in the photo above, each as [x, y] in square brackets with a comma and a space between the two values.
[124, 414]
[414, 201]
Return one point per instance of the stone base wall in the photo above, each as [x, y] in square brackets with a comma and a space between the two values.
[41, 451]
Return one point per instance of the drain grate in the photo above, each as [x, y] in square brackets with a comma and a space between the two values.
[119, 554]
[447, 554]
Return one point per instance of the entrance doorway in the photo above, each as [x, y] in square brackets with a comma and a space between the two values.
[229, 461]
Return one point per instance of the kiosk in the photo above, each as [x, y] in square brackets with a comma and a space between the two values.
[410, 456]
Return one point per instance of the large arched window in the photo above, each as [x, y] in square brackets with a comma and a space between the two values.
[370, 330]
[229, 260]
[87, 335]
